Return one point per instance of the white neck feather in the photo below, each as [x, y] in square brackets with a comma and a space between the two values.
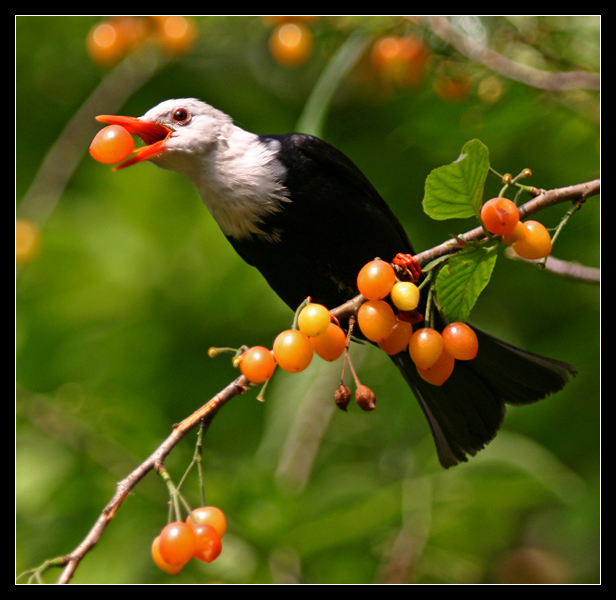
[240, 182]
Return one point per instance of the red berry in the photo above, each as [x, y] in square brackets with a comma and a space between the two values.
[208, 543]
[500, 216]
[111, 145]
[209, 515]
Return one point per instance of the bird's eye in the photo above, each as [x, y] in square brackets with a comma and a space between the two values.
[181, 115]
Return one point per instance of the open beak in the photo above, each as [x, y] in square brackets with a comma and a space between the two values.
[153, 134]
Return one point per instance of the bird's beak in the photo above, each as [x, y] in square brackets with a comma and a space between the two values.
[153, 134]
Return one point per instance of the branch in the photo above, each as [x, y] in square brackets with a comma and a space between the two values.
[205, 414]
[542, 199]
[496, 62]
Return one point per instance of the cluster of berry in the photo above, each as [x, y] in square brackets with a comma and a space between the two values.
[115, 37]
[529, 239]
[433, 352]
[293, 349]
[198, 537]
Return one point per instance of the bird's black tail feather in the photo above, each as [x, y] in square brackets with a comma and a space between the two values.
[467, 410]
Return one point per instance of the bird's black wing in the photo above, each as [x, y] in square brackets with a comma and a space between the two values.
[332, 223]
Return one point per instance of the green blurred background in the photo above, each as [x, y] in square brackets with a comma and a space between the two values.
[133, 282]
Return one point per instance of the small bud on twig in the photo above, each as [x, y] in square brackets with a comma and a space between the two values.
[365, 397]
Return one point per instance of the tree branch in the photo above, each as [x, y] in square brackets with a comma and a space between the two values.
[203, 415]
[498, 63]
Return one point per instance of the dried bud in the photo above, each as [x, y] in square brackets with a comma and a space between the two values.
[365, 397]
[342, 396]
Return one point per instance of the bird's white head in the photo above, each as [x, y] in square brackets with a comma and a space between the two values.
[235, 173]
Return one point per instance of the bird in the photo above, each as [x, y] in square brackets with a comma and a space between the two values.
[301, 212]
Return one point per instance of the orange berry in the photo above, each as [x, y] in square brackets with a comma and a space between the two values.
[177, 543]
[518, 233]
[440, 371]
[176, 34]
[291, 44]
[425, 347]
[292, 350]
[160, 562]
[313, 319]
[398, 339]
[209, 515]
[330, 344]
[257, 364]
[376, 319]
[536, 242]
[111, 145]
[208, 543]
[500, 216]
[400, 60]
[27, 241]
[460, 341]
[376, 279]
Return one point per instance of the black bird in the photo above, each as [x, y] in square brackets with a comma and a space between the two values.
[304, 215]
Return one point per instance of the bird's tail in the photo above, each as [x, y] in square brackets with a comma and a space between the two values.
[467, 410]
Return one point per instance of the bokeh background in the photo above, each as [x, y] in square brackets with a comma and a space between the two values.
[128, 282]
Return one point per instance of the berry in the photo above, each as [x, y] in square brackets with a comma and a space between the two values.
[440, 371]
[176, 34]
[330, 344]
[518, 233]
[452, 88]
[398, 339]
[111, 145]
[209, 515]
[500, 216]
[313, 319]
[400, 60]
[291, 44]
[208, 543]
[257, 364]
[375, 279]
[160, 562]
[111, 40]
[27, 241]
[292, 350]
[425, 347]
[177, 543]
[376, 319]
[460, 341]
[405, 295]
[536, 242]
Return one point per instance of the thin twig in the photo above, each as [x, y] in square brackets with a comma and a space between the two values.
[205, 414]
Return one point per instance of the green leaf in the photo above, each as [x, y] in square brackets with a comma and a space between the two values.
[461, 280]
[455, 191]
